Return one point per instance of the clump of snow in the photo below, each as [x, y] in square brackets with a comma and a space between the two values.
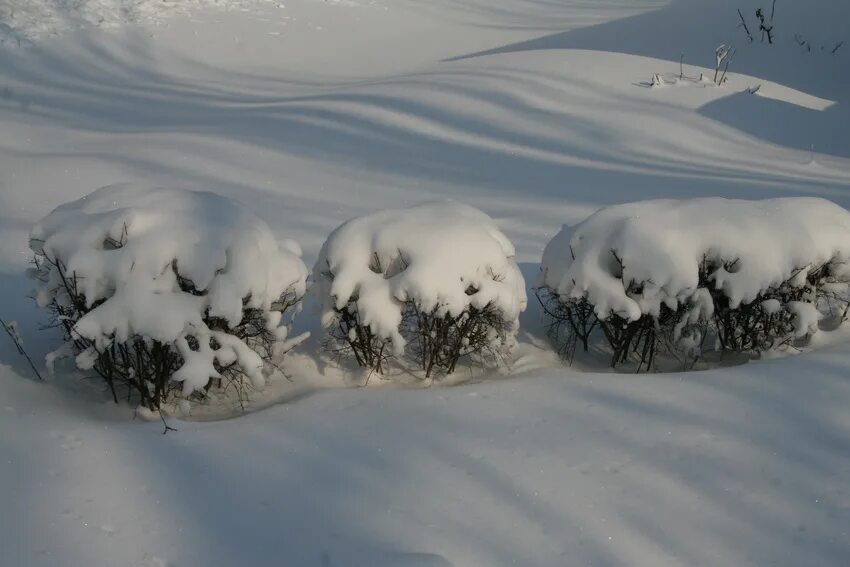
[444, 257]
[160, 264]
[633, 259]
[806, 317]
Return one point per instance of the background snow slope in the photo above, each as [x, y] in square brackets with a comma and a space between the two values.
[22, 21]
[317, 112]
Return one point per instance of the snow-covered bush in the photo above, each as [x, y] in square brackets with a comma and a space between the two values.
[438, 278]
[670, 274]
[158, 288]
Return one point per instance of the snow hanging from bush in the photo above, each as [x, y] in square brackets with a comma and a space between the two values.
[443, 256]
[157, 263]
[633, 258]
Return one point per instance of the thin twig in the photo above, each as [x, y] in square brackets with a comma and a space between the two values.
[165, 424]
[726, 68]
[744, 25]
[14, 336]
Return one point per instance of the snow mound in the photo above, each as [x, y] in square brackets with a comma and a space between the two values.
[631, 259]
[29, 19]
[445, 257]
[160, 264]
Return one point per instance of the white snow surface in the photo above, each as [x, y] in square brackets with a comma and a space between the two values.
[432, 254]
[31, 19]
[318, 113]
[128, 243]
[659, 246]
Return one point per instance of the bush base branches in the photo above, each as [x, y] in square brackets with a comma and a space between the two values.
[438, 341]
[765, 323]
[570, 322]
[140, 368]
[348, 336]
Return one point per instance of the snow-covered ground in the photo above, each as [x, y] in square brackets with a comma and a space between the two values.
[536, 112]
[23, 21]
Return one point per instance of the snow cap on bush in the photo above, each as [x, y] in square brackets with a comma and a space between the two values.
[443, 256]
[156, 263]
[632, 258]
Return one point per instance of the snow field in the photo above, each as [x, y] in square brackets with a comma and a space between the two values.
[340, 113]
